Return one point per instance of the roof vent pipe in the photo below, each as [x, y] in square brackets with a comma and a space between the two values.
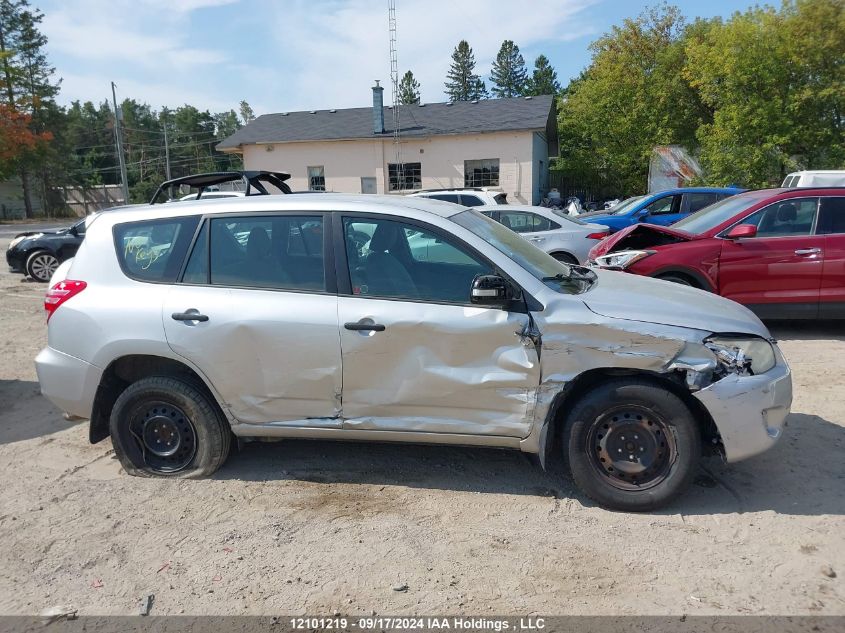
[378, 109]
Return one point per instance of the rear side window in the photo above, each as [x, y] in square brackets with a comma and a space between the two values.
[471, 201]
[697, 201]
[445, 197]
[154, 250]
[832, 216]
[281, 252]
[523, 222]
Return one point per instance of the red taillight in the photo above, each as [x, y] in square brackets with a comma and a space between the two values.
[60, 293]
[597, 236]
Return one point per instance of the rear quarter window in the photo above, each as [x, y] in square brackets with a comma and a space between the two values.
[153, 250]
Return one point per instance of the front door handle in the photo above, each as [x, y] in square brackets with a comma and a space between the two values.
[364, 327]
[807, 251]
[189, 315]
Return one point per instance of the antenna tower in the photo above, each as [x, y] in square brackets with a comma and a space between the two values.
[394, 79]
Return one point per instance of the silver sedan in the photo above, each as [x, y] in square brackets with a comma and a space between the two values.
[562, 236]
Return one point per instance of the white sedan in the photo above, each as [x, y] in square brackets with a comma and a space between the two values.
[564, 237]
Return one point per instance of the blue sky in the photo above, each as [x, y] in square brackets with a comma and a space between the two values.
[285, 55]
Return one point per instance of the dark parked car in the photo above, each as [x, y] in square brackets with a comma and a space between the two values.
[780, 252]
[38, 254]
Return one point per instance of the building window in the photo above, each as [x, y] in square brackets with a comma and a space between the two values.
[408, 177]
[316, 178]
[481, 173]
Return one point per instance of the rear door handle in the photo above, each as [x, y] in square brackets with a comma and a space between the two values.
[364, 327]
[807, 251]
[189, 315]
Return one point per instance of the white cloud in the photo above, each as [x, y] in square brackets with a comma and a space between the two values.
[340, 48]
[291, 55]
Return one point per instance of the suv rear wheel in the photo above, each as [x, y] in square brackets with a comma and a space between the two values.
[632, 445]
[166, 427]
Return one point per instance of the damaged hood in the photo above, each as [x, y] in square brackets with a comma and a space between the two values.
[639, 236]
[620, 295]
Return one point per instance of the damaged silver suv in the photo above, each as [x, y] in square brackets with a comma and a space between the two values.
[397, 319]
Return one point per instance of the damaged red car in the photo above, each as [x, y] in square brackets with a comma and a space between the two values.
[780, 252]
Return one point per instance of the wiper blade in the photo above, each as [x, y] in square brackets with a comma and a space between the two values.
[558, 277]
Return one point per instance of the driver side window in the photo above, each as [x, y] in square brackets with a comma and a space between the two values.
[789, 217]
[390, 259]
[662, 206]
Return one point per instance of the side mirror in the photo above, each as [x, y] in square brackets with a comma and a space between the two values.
[73, 231]
[491, 291]
[742, 230]
[642, 215]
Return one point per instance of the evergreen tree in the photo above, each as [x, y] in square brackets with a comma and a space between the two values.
[544, 80]
[508, 74]
[478, 90]
[409, 89]
[462, 83]
[247, 114]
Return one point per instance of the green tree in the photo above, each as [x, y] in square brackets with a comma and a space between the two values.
[246, 112]
[409, 89]
[544, 79]
[775, 81]
[508, 74]
[27, 83]
[462, 83]
[630, 98]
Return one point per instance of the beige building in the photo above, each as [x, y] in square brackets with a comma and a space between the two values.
[499, 143]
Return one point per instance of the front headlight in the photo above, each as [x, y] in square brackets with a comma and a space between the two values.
[21, 238]
[622, 259]
[738, 355]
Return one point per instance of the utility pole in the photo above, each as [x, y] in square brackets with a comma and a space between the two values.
[118, 136]
[166, 154]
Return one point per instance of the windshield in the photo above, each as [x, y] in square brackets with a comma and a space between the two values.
[714, 215]
[556, 275]
[625, 205]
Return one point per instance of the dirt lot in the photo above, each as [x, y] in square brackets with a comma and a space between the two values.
[321, 528]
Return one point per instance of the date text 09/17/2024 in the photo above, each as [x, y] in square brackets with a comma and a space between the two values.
[455, 623]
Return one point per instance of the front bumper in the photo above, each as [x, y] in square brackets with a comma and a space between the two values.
[68, 382]
[15, 260]
[750, 411]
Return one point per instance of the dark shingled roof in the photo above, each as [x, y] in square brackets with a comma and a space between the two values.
[460, 117]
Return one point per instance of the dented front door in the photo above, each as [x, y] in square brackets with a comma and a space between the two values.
[436, 368]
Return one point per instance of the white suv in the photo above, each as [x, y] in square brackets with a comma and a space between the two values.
[396, 319]
[466, 197]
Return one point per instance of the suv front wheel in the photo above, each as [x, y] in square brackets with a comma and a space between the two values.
[165, 427]
[632, 445]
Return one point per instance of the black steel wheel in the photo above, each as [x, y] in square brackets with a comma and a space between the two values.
[41, 265]
[632, 444]
[632, 447]
[162, 426]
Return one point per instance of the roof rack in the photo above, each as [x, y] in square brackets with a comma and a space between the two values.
[253, 179]
[455, 189]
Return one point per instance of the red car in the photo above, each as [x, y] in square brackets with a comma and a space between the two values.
[780, 252]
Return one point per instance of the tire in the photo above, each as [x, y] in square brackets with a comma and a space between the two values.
[165, 427]
[678, 279]
[642, 417]
[566, 258]
[41, 265]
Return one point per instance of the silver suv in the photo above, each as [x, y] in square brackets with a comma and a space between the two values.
[397, 319]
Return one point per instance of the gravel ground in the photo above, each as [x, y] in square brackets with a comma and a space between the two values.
[320, 528]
